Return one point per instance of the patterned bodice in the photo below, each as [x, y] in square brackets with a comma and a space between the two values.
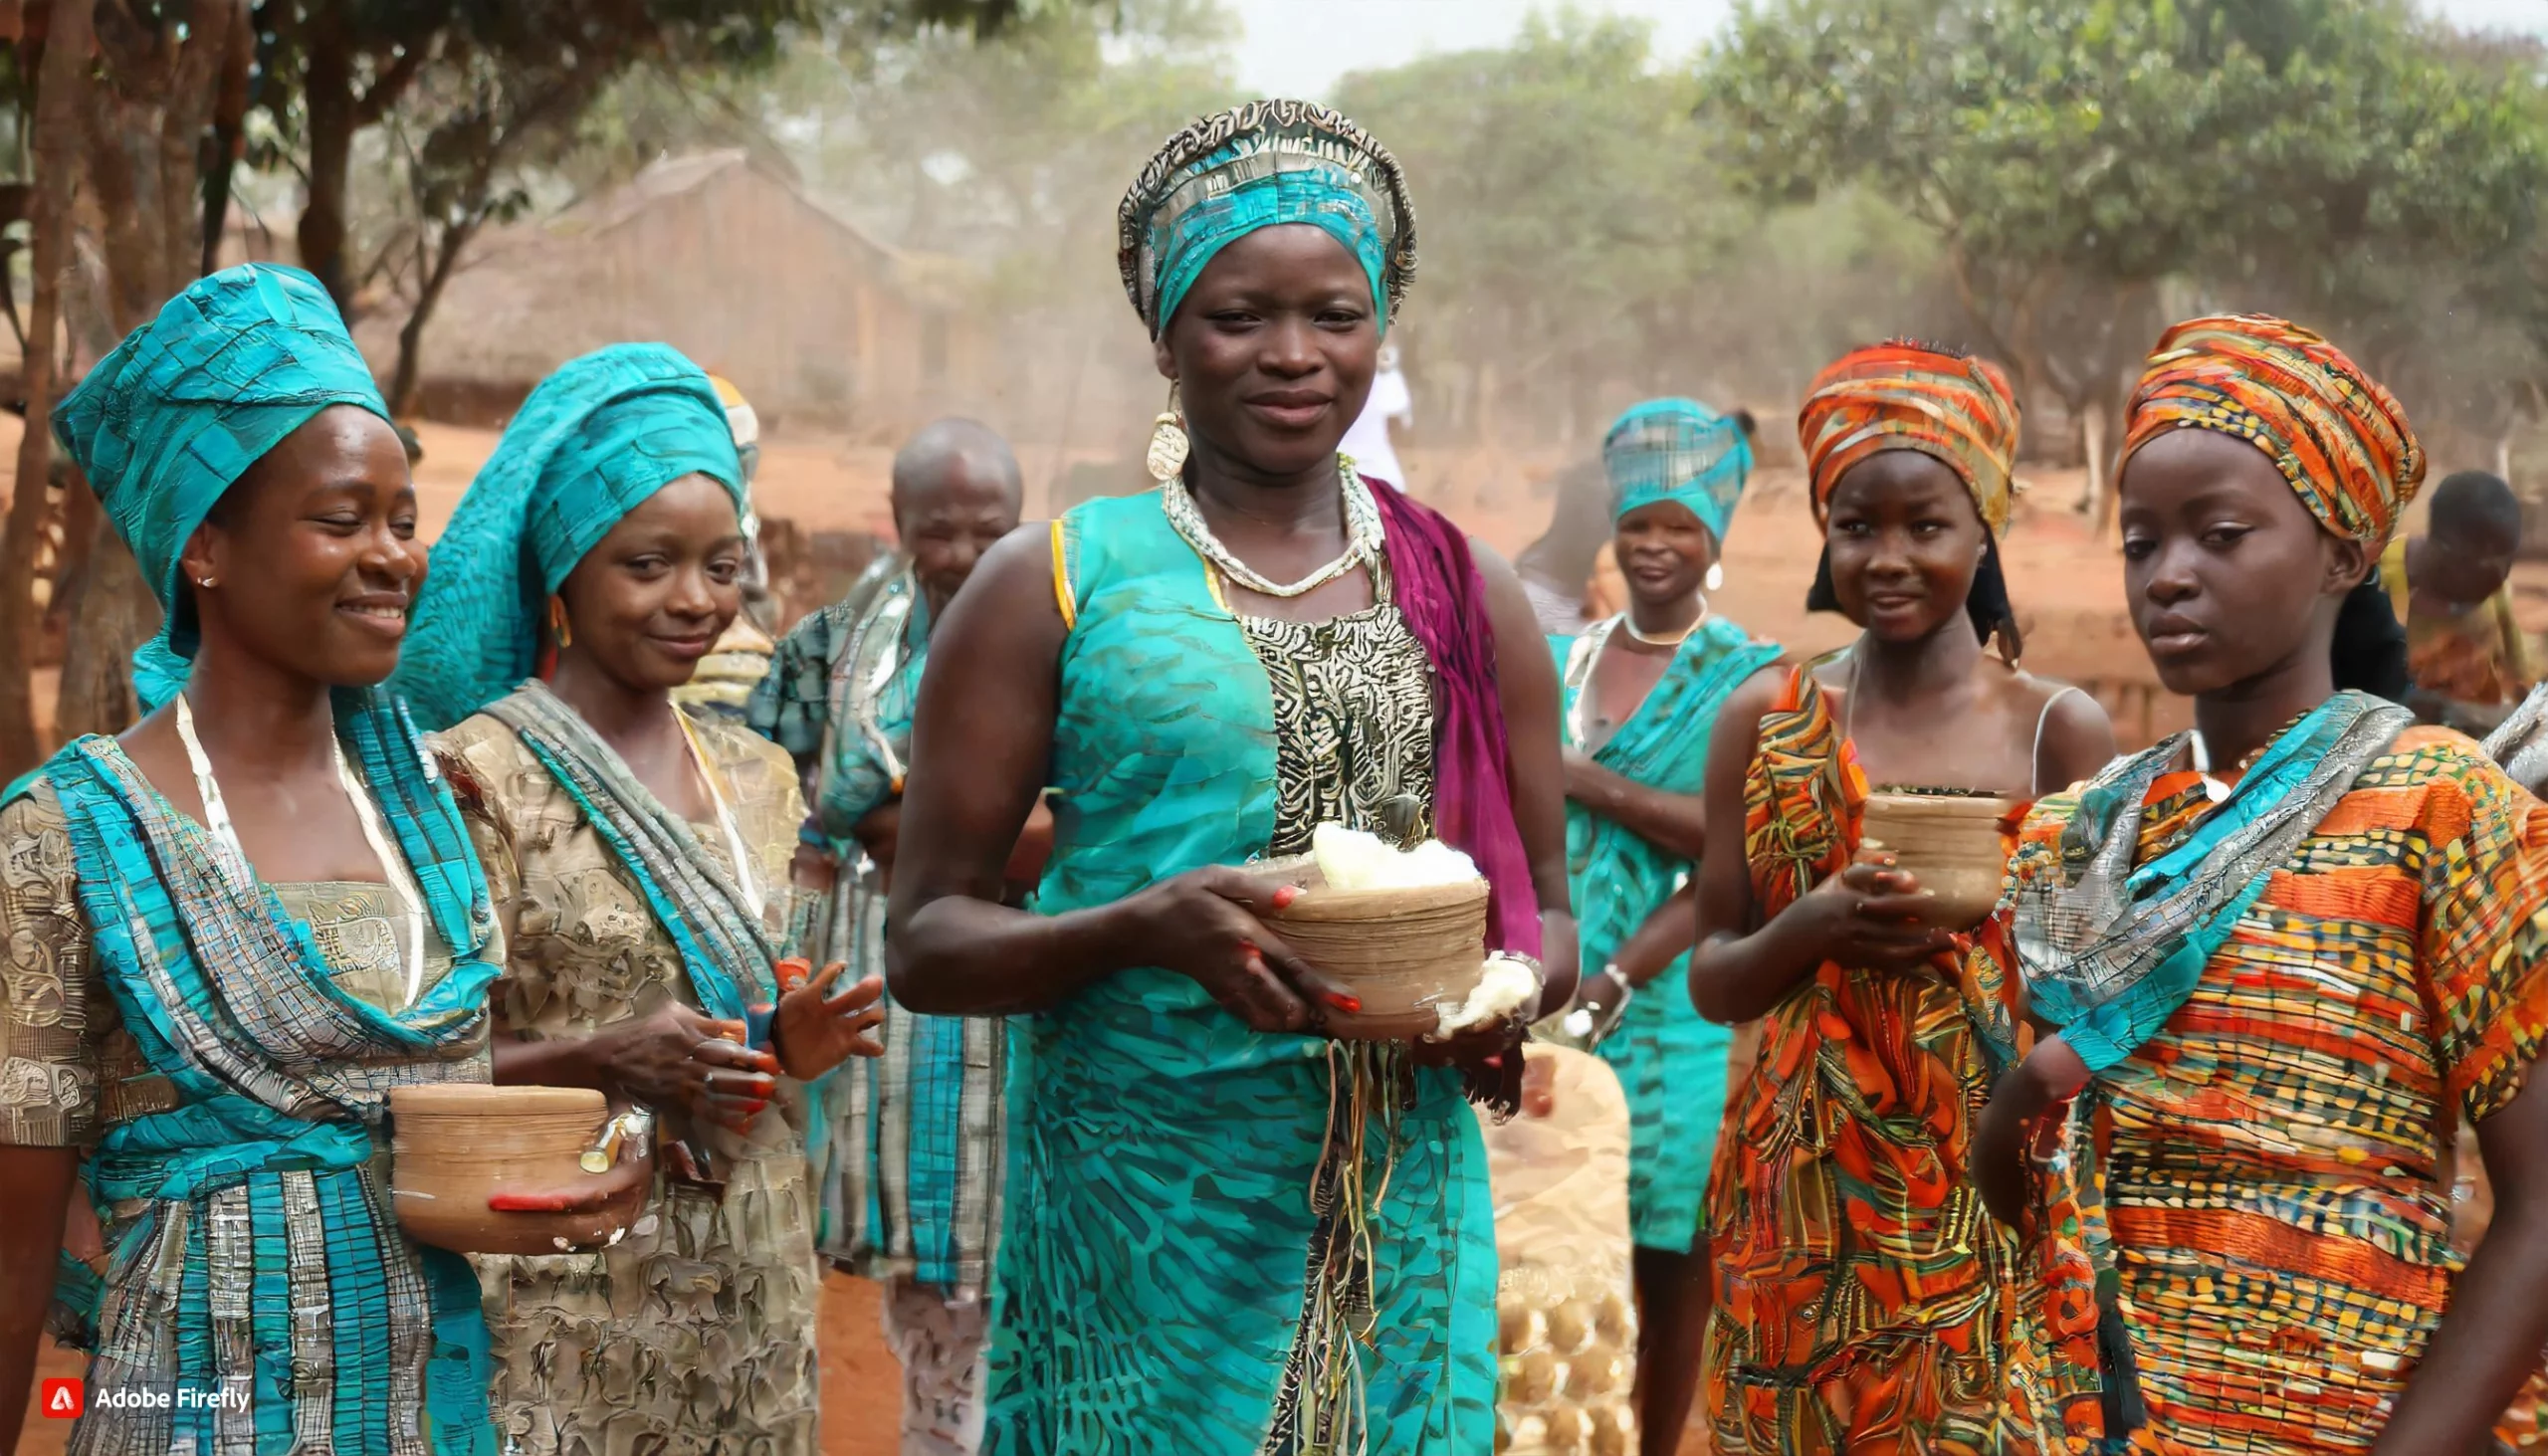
[1352, 718]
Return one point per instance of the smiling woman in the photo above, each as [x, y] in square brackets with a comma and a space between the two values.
[1198, 1255]
[231, 931]
[1859, 1293]
[638, 862]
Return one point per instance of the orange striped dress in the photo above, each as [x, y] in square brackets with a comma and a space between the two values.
[1859, 1285]
[2271, 1162]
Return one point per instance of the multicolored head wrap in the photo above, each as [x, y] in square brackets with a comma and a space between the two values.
[1261, 165]
[1677, 449]
[1903, 395]
[590, 444]
[172, 418]
[2339, 438]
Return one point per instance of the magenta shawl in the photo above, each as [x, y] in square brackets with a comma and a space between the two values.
[1438, 590]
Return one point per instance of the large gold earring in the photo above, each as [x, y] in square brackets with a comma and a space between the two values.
[559, 630]
[1169, 444]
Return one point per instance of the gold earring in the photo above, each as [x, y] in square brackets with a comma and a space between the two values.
[1169, 444]
[558, 627]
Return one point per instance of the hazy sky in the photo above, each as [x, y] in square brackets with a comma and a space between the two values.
[1300, 47]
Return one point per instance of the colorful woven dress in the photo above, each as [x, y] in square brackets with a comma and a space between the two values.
[1861, 1287]
[1858, 1278]
[1670, 1060]
[2268, 1161]
[223, 1047]
[2287, 998]
[695, 1333]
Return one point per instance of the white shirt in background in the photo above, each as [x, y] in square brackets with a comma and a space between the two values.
[1368, 441]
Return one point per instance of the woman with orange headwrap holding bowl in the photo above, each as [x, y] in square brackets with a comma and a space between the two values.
[2269, 963]
[1858, 1287]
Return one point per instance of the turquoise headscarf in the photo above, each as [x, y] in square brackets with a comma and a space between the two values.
[170, 420]
[592, 444]
[1678, 450]
[1261, 165]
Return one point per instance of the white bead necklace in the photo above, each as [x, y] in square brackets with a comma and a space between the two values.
[1363, 536]
[1675, 639]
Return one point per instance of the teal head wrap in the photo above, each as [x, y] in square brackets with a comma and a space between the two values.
[1678, 450]
[1261, 165]
[590, 445]
[170, 420]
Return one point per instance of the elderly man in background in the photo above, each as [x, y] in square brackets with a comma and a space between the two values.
[907, 1150]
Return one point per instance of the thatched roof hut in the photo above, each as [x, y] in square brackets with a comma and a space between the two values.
[722, 258]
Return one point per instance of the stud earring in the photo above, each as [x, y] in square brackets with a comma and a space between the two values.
[1716, 576]
[1169, 444]
[207, 582]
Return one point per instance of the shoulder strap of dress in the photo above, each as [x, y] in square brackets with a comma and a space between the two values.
[1063, 596]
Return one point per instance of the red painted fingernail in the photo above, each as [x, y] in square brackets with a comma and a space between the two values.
[1284, 896]
[1255, 962]
[1349, 1005]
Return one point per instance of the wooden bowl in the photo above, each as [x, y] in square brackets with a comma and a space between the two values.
[454, 1143]
[1404, 953]
[1950, 842]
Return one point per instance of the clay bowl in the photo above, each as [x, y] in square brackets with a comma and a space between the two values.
[453, 1144]
[1948, 839]
[1404, 953]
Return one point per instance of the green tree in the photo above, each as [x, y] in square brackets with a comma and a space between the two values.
[2072, 156]
[1567, 213]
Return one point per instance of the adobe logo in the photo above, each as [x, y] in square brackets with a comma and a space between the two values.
[63, 1397]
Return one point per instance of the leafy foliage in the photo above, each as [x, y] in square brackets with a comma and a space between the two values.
[2324, 156]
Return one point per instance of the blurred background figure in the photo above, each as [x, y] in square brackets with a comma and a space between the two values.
[1369, 443]
[907, 1151]
[727, 675]
[2453, 587]
[1557, 568]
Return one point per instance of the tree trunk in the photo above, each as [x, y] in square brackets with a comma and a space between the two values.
[411, 334]
[113, 612]
[2092, 436]
[327, 97]
[229, 139]
[2109, 409]
[146, 126]
[60, 98]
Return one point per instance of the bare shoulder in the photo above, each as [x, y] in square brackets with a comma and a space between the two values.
[1739, 720]
[2074, 736]
[1018, 571]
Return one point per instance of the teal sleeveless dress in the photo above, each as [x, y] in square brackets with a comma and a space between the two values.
[1152, 1277]
[1670, 1060]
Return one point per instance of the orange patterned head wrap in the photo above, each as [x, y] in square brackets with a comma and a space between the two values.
[2341, 440]
[1901, 395]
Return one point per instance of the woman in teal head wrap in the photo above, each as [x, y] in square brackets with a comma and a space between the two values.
[1223, 1232]
[1640, 696]
[638, 860]
[232, 931]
